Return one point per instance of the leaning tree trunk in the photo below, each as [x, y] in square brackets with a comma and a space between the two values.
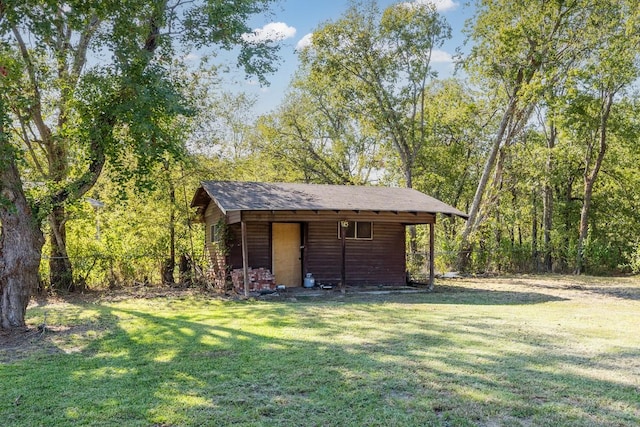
[464, 251]
[20, 244]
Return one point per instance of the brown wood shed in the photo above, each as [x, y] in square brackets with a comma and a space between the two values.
[341, 234]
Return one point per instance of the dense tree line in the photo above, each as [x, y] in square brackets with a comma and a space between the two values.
[86, 86]
[536, 137]
[537, 142]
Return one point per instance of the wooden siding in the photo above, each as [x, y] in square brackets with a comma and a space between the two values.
[211, 216]
[378, 261]
[217, 268]
[258, 245]
[258, 242]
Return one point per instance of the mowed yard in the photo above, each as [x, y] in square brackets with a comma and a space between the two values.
[516, 351]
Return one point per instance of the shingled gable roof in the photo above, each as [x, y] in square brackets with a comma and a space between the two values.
[259, 196]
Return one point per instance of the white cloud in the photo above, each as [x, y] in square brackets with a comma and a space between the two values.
[192, 57]
[440, 56]
[272, 32]
[441, 5]
[304, 42]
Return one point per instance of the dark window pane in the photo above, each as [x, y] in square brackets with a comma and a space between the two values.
[351, 230]
[365, 230]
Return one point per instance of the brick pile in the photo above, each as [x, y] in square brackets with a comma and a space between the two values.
[217, 278]
[259, 279]
[217, 273]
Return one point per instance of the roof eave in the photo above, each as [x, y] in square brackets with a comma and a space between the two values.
[202, 198]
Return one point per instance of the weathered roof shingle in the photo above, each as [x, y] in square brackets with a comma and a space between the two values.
[255, 196]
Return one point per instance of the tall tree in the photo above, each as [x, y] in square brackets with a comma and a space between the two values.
[612, 65]
[518, 48]
[54, 41]
[386, 59]
[71, 120]
[317, 138]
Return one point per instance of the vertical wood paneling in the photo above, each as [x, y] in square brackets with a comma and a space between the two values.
[258, 244]
[211, 216]
[377, 261]
[380, 261]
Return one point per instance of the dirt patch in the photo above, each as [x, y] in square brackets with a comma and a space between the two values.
[17, 344]
[146, 292]
[21, 343]
[15, 338]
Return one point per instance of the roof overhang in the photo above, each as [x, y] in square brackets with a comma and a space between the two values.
[312, 202]
[234, 217]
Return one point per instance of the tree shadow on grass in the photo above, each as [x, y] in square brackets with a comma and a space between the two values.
[442, 294]
[617, 288]
[315, 364]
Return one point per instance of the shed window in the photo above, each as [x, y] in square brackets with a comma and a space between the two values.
[358, 230]
[214, 236]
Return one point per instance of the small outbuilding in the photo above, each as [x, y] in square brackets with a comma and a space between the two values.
[268, 234]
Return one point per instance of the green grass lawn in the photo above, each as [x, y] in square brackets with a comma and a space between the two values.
[521, 351]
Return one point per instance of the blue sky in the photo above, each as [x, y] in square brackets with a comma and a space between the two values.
[296, 19]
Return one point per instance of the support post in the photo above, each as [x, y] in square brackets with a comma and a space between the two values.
[343, 273]
[245, 258]
[431, 255]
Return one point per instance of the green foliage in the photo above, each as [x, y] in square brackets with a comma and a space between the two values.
[223, 237]
[382, 63]
[314, 138]
[634, 259]
[447, 167]
[101, 85]
[126, 241]
[365, 107]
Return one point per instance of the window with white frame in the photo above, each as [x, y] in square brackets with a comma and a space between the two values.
[356, 230]
[214, 234]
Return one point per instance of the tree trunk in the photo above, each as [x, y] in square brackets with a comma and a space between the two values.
[547, 224]
[170, 263]
[464, 252]
[186, 267]
[590, 176]
[413, 234]
[20, 244]
[60, 269]
[584, 227]
[534, 236]
[547, 201]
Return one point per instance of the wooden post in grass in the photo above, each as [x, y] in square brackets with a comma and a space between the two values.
[432, 257]
[245, 258]
[343, 272]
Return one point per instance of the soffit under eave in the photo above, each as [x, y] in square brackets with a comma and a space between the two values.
[329, 215]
